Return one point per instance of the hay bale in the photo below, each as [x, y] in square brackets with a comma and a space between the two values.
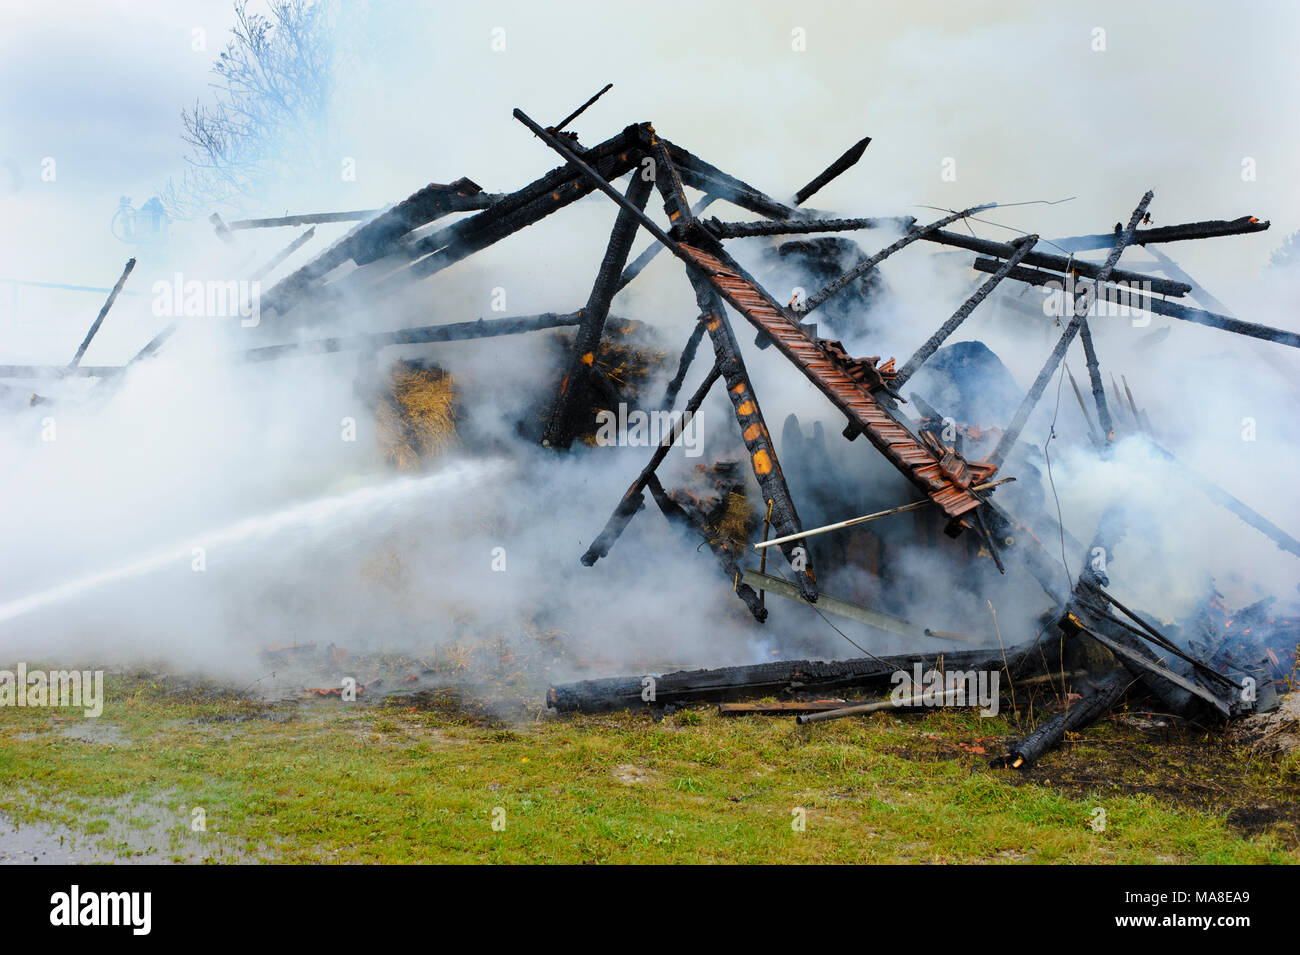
[416, 414]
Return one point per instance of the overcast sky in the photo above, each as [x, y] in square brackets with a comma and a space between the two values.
[1020, 96]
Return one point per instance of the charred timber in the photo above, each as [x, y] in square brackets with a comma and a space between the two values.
[1103, 273]
[1024, 246]
[1060, 263]
[455, 332]
[634, 498]
[698, 174]
[1123, 297]
[575, 385]
[834, 170]
[373, 239]
[862, 268]
[1209, 229]
[792, 676]
[740, 230]
[99, 319]
[1076, 716]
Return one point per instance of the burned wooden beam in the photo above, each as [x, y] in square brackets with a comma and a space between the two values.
[741, 230]
[372, 239]
[1094, 377]
[634, 498]
[283, 254]
[559, 127]
[740, 389]
[834, 170]
[1127, 298]
[422, 335]
[683, 363]
[1212, 228]
[646, 257]
[575, 384]
[1049, 733]
[1024, 245]
[1092, 428]
[99, 319]
[698, 174]
[1060, 263]
[557, 189]
[862, 268]
[316, 218]
[1012, 434]
[786, 677]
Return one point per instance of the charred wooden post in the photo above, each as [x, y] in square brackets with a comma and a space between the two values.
[559, 127]
[317, 218]
[1092, 428]
[283, 254]
[425, 334]
[742, 230]
[853, 274]
[1024, 245]
[1094, 376]
[794, 676]
[645, 258]
[99, 319]
[1059, 263]
[1127, 298]
[698, 174]
[1012, 434]
[554, 191]
[1049, 733]
[740, 390]
[688, 356]
[1171, 233]
[834, 170]
[372, 239]
[634, 498]
[575, 385]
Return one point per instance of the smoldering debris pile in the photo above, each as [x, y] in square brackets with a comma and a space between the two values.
[948, 442]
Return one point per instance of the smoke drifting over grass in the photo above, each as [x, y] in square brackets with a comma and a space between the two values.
[307, 536]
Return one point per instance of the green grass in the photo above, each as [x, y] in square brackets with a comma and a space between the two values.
[337, 782]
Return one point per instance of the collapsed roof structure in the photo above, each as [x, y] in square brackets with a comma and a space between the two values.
[393, 248]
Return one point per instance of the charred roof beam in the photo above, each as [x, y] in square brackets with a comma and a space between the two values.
[862, 268]
[1012, 434]
[1024, 245]
[1126, 298]
[574, 386]
[740, 230]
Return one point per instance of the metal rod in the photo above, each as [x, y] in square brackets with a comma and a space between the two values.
[915, 505]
